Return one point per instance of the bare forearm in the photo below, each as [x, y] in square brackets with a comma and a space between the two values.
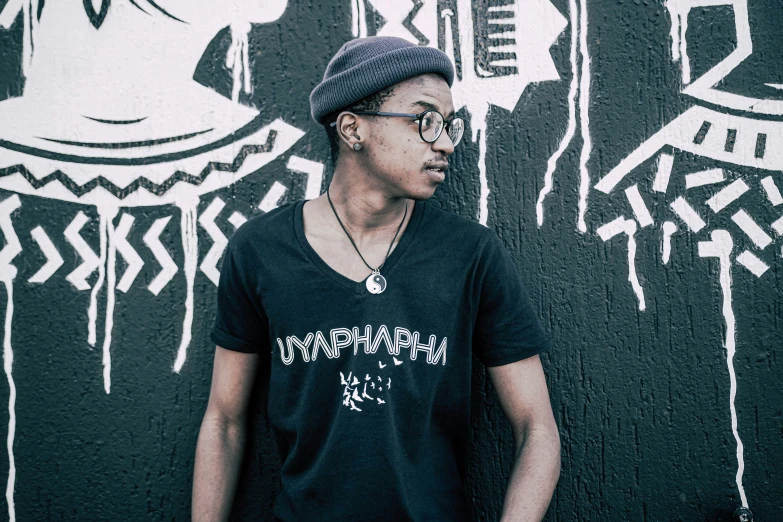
[534, 477]
[218, 458]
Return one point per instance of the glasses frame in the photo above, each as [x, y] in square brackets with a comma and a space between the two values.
[418, 117]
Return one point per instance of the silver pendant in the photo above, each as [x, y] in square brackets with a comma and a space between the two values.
[376, 283]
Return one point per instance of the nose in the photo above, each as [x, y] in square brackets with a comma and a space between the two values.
[443, 143]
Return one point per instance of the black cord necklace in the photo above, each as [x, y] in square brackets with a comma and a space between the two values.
[375, 282]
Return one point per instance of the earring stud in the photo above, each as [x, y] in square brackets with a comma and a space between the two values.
[357, 146]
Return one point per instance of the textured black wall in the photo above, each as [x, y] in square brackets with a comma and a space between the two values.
[642, 397]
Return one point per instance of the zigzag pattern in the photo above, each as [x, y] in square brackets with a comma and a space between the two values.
[154, 188]
[408, 23]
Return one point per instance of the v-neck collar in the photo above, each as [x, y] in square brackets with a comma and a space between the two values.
[358, 287]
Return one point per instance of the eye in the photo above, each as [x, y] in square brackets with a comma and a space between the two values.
[426, 121]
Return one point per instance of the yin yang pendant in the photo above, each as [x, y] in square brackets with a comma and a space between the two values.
[376, 283]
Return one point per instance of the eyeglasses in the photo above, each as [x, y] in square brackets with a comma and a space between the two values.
[431, 124]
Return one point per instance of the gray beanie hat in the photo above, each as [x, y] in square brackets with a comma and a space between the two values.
[367, 65]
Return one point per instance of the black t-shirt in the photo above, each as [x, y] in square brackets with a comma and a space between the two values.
[369, 394]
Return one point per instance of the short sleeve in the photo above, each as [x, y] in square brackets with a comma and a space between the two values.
[240, 322]
[507, 328]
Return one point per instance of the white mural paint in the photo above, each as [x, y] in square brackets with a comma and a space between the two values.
[639, 207]
[272, 198]
[53, 258]
[533, 26]
[756, 266]
[713, 130]
[219, 240]
[584, 117]
[628, 227]
[8, 273]
[314, 171]
[773, 193]
[88, 129]
[705, 177]
[721, 247]
[727, 195]
[168, 266]
[669, 228]
[571, 128]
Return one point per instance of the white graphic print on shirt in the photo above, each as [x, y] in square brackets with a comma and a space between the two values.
[340, 338]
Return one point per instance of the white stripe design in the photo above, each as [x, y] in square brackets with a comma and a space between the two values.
[707, 177]
[669, 228]
[571, 128]
[689, 216]
[53, 258]
[756, 266]
[272, 197]
[189, 232]
[314, 171]
[128, 253]
[91, 261]
[727, 195]
[627, 227]
[665, 163]
[584, 116]
[207, 221]
[639, 207]
[237, 219]
[751, 229]
[169, 267]
[777, 226]
[773, 193]
[721, 247]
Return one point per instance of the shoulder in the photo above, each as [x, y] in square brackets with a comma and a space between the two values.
[262, 231]
[456, 228]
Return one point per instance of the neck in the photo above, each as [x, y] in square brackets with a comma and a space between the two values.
[364, 204]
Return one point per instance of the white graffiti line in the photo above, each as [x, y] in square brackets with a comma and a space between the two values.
[413, 20]
[169, 267]
[663, 172]
[237, 219]
[358, 19]
[91, 261]
[272, 197]
[53, 258]
[669, 228]
[584, 117]
[721, 247]
[12, 247]
[777, 226]
[189, 209]
[638, 206]
[628, 227]
[688, 215]
[727, 195]
[706, 177]
[571, 128]
[111, 279]
[773, 193]
[219, 240]
[755, 266]
[722, 137]
[8, 359]
[314, 171]
[751, 229]
[128, 253]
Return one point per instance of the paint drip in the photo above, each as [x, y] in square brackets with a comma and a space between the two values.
[570, 130]
[669, 228]
[721, 247]
[189, 232]
[584, 118]
[238, 59]
[107, 215]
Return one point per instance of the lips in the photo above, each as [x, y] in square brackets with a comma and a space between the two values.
[437, 170]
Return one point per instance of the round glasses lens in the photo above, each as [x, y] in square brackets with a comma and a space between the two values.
[431, 126]
[456, 129]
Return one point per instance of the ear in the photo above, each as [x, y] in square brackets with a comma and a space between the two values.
[348, 129]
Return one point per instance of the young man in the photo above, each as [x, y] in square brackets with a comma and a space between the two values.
[366, 305]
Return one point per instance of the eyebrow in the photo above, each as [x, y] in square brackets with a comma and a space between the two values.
[429, 106]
